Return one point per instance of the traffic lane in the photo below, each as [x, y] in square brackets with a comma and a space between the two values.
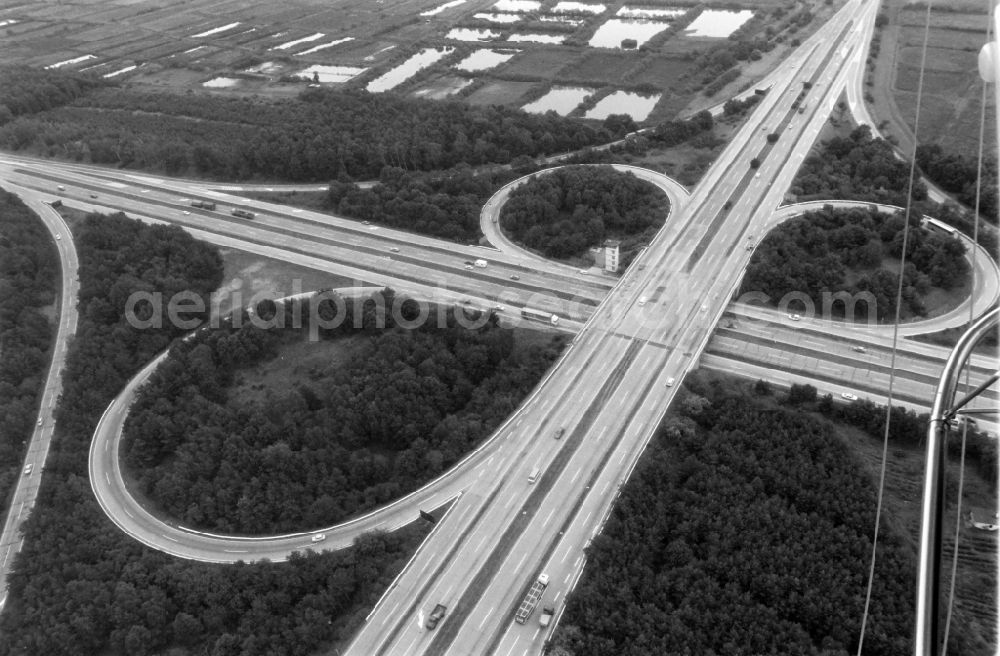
[508, 504]
[567, 557]
[586, 464]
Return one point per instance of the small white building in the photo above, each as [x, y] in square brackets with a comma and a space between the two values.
[611, 247]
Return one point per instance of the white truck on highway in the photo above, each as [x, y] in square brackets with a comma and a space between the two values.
[546, 617]
[527, 606]
[481, 263]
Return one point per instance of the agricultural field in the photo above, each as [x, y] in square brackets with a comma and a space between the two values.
[268, 48]
[950, 109]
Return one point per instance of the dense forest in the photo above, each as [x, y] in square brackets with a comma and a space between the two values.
[845, 250]
[744, 529]
[402, 408]
[856, 167]
[80, 586]
[445, 206]
[958, 173]
[564, 212]
[29, 268]
[30, 90]
[321, 135]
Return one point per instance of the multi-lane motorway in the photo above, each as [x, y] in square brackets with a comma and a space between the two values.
[609, 391]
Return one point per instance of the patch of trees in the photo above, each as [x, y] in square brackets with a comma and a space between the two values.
[957, 173]
[80, 586]
[29, 267]
[445, 206]
[843, 250]
[734, 107]
[856, 167]
[30, 90]
[672, 133]
[744, 529]
[567, 211]
[404, 407]
[321, 135]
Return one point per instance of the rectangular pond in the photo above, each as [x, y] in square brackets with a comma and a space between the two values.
[615, 30]
[470, 34]
[649, 12]
[537, 38]
[215, 30]
[331, 73]
[70, 62]
[485, 59]
[495, 17]
[437, 10]
[635, 105]
[305, 39]
[520, 6]
[718, 23]
[578, 8]
[561, 100]
[407, 69]
[324, 46]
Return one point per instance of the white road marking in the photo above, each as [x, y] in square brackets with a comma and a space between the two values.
[573, 480]
[556, 598]
[481, 543]
[546, 522]
[606, 486]
[107, 477]
[485, 617]
[511, 648]
[170, 538]
[232, 550]
[128, 513]
[588, 516]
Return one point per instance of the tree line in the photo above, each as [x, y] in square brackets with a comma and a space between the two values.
[80, 586]
[958, 174]
[29, 268]
[566, 211]
[744, 529]
[844, 250]
[320, 135]
[401, 409]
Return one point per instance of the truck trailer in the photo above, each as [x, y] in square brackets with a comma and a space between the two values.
[531, 599]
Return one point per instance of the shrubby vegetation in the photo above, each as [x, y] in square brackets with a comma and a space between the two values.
[566, 211]
[399, 410]
[856, 167]
[844, 250]
[744, 529]
[321, 135]
[958, 173]
[29, 267]
[80, 586]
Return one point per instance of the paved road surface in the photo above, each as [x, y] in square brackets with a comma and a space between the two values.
[27, 485]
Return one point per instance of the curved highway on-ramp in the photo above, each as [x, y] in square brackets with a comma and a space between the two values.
[27, 483]
[131, 517]
[489, 217]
